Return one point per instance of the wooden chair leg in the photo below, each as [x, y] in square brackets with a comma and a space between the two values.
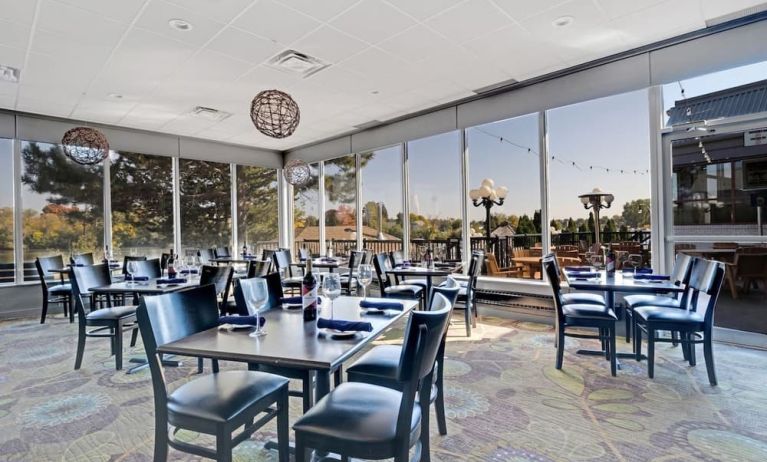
[637, 341]
[439, 406]
[200, 365]
[424, 403]
[80, 346]
[650, 353]
[118, 335]
[283, 427]
[223, 445]
[134, 336]
[307, 392]
[627, 316]
[613, 355]
[300, 453]
[45, 310]
[691, 350]
[560, 348]
[214, 365]
[674, 338]
[71, 308]
[708, 354]
[160, 438]
[728, 273]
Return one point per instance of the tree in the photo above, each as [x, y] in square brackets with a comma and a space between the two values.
[636, 214]
[525, 225]
[571, 226]
[537, 221]
[609, 231]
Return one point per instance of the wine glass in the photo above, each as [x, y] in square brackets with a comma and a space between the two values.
[365, 277]
[256, 294]
[130, 271]
[331, 288]
[635, 261]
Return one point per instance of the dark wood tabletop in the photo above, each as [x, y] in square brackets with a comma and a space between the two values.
[321, 263]
[289, 341]
[437, 270]
[234, 260]
[620, 283]
[150, 287]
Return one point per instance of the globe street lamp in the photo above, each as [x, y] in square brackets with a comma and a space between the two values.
[487, 195]
[596, 200]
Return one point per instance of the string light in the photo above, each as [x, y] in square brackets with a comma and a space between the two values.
[562, 160]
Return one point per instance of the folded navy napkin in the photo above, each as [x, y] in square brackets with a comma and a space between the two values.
[79, 264]
[328, 260]
[585, 275]
[652, 277]
[241, 320]
[114, 265]
[192, 271]
[171, 281]
[382, 305]
[136, 278]
[344, 326]
[297, 300]
[578, 269]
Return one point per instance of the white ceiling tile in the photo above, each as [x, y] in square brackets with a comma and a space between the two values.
[14, 34]
[152, 115]
[102, 110]
[7, 101]
[468, 20]
[78, 23]
[523, 9]
[715, 8]
[18, 11]
[243, 45]
[668, 19]
[372, 21]
[44, 106]
[415, 44]
[617, 8]
[329, 44]
[8, 88]
[218, 10]
[188, 125]
[67, 47]
[69, 75]
[276, 22]
[373, 62]
[12, 57]
[56, 95]
[423, 9]
[119, 10]
[339, 80]
[157, 14]
[320, 10]
[585, 16]
[264, 78]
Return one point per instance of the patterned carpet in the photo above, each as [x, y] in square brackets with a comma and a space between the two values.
[506, 402]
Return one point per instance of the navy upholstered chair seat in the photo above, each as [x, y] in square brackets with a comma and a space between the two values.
[382, 264]
[114, 313]
[582, 310]
[660, 315]
[214, 399]
[637, 300]
[583, 297]
[410, 291]
[361, 418]
[60, 289]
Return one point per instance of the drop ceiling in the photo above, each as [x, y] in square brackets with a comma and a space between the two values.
[119, 62]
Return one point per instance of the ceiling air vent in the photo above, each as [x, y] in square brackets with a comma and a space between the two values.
[208, 113]
[9, 74]
[295, 62]
[737, 14]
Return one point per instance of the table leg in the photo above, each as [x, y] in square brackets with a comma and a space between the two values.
[610, 302]
[141, 363]
[427, 297]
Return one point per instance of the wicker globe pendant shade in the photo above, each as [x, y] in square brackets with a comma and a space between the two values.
[296, 172]
[275, 113]
[84, 145]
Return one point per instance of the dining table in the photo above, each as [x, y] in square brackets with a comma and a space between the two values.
[620, 282]
[331, 264]
[291, 343]
[234, 260]
[426, 272]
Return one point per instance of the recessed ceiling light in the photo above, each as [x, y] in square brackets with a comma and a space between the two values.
[180, 24]
[563, 21]
[374, 92]
[115, 96]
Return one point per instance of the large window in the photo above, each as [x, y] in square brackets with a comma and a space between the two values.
[381, 198]
[340, 204]
[257, 215]
[63, 204]
[306, 212]
[7, 258]
[206, 204]
[603, 143]
[142, 203]
[434, 173]
[507, 153]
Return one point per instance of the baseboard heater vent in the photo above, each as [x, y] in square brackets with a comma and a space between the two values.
[515, 300]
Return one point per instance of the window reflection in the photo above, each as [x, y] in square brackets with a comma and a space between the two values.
[206, 204]
[306, 212]
[381, 198]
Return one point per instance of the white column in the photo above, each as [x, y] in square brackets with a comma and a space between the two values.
[657, 184]
[18, 215]
[321, 204]
[233, 188]
[543, 148]
[405, 203]
[465, 228]
[358, 199]
[176, 205]
[107, 208]
[284, 210]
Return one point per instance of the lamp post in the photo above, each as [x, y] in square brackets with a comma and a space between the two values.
[596, 200]
[487, 195]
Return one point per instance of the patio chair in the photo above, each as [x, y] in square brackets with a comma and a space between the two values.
[750, 266]
[53, 291]
[494, 271]
[389, 290]
[82, 259]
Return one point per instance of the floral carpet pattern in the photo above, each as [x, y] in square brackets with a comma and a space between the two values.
[505, 402]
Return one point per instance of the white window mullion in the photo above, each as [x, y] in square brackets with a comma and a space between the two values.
[405, 202]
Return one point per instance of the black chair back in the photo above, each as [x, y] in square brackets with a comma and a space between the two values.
[164, 259]
[282, 260]
[44, 266]
[705, 285]
[82, 259]
[220, 277]
[149, 268]
[206, 255]
[128, 258]
[355, 260]
[396, 258]
[680, 275]
[274, 286]
[551, 269]
[258, 268]
[447, 296]
[84, 278]
[267, 254]
[381, 264]
[304, 254]
[222, 252]
[166, 318]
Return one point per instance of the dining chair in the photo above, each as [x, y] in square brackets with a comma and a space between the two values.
[367, 421]
[748, 264]
[467, 294]
[680, 276]
[206, 255]
[108, 322]
[284, 265]
[389, 290]
[82, 259]
[221, 278]
[53, 291]
[273, 286]
[150, 268]
[130, 258]
[577, 296]
[579, 315]
[379, 365]
[304, 254]
[258, 268]
[221, 252]
[348, 279]
[216, 404]
[695, 323]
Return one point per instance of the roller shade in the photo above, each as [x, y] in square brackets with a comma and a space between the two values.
[322, 151]
[7, 125]
[229, 153]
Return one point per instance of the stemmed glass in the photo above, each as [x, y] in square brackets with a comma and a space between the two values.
[365, 277]
[635, 261]
[256, 295]
[331, 288]
[130, 271]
